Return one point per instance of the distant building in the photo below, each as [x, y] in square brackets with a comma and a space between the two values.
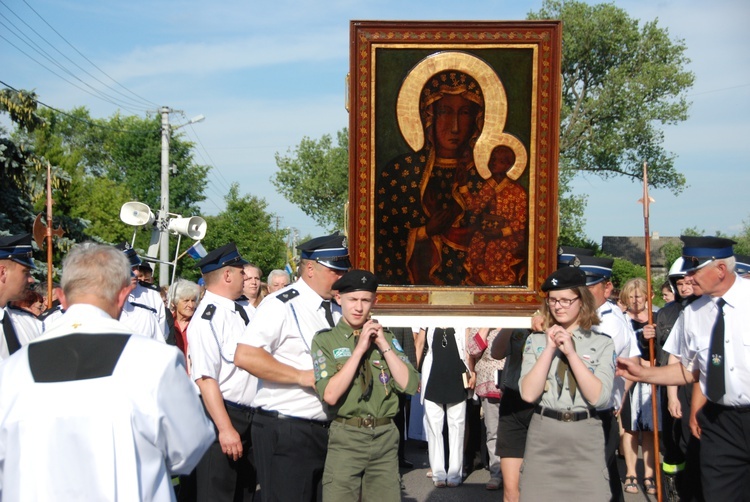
[633, 249]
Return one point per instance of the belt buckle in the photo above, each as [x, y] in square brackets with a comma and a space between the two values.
[567, 416]
[369, 422]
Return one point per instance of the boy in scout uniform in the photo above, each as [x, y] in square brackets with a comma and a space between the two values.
[359, 369]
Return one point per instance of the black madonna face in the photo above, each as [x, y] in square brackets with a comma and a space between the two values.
[455, 121]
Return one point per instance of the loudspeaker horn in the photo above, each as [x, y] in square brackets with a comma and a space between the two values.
[136, 214]
[194, 227]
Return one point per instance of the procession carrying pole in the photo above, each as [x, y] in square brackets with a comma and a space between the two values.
[651, 355]
[50, 269]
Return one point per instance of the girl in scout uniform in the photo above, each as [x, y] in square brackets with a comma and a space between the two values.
[567, 372]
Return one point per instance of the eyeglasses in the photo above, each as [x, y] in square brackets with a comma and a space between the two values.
[563, 302]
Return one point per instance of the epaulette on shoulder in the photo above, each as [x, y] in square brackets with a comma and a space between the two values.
[324, 330]
[140, 305]
[149, 285]
[19, 311]
[605, 312]
[44, 315]
[208, 314]
[287, 295]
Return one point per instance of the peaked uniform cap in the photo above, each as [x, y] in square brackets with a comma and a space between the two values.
[328, 250]
[568, 256]
[17, 248]
[225, 256]
[700, 251]
[596, 268]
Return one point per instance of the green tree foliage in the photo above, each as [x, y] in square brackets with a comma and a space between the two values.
[315, 177]
[20, 167]
[114, 160]
[622, 270]
[621, 82]
[245, 222]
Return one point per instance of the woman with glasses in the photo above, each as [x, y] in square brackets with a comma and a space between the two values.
[567, 372]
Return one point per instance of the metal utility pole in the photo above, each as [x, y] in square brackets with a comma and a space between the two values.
[163, 222]
[164, 207]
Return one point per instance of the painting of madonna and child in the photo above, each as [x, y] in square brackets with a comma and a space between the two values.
[452, 181]
[453, 162]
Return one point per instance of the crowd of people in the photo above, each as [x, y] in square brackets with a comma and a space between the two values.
[293, 387]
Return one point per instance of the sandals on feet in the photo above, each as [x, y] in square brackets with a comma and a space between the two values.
[631, 484]
[649, 486]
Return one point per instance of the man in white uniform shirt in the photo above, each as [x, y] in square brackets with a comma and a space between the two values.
[16, 264]
[146, 294]
[613, 323]
[225, 472]
[290, 428]
[715, 350]
[90, 412]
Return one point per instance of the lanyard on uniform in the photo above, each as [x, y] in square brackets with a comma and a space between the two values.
[309, 351]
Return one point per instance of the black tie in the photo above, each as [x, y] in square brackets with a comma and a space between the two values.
[241, 310]
[329, 314]
[715, 374]
[10, 334]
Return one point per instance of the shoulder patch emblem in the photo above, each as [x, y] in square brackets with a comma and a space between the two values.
[342, 352]
[287, 295]
[208, 314]
[397, 346]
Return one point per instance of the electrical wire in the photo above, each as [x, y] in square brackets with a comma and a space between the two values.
[145, 101]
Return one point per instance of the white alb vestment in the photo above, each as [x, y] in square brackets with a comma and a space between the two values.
[89, 412]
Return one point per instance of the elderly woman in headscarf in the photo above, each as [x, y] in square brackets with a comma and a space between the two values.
[184, 296]
[424, 230]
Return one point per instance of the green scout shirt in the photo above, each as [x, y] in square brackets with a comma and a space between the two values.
[596, 350]
[331, 348]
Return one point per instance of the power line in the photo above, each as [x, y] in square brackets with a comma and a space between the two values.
[41, 51]
[141, 98]
[65, 79]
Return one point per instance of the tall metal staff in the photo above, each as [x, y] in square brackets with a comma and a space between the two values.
[646, 200]
[40, 232]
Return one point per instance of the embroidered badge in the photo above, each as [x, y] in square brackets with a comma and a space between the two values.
[384, 378]
[397, 346]
[586, 356]
[342, 352]
[323, 374]
[716, 359]
[316, 370]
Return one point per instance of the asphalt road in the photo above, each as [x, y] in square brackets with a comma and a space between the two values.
[419, 488]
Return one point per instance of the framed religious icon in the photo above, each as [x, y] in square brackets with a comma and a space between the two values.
[453, 162]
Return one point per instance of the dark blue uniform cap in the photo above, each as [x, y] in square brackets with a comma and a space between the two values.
[17, 248]
[742, 266]
[130, 253]
[329, 250]
[564, 278]
[700, 251]
[356, 280]
[225, 256]
[567, 256]
[597, 269]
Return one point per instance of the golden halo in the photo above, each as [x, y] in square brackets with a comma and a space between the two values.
[495, 107]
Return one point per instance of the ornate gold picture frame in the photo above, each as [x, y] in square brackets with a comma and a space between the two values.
[453, 163]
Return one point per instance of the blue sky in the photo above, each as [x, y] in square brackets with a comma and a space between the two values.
[265, 74]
